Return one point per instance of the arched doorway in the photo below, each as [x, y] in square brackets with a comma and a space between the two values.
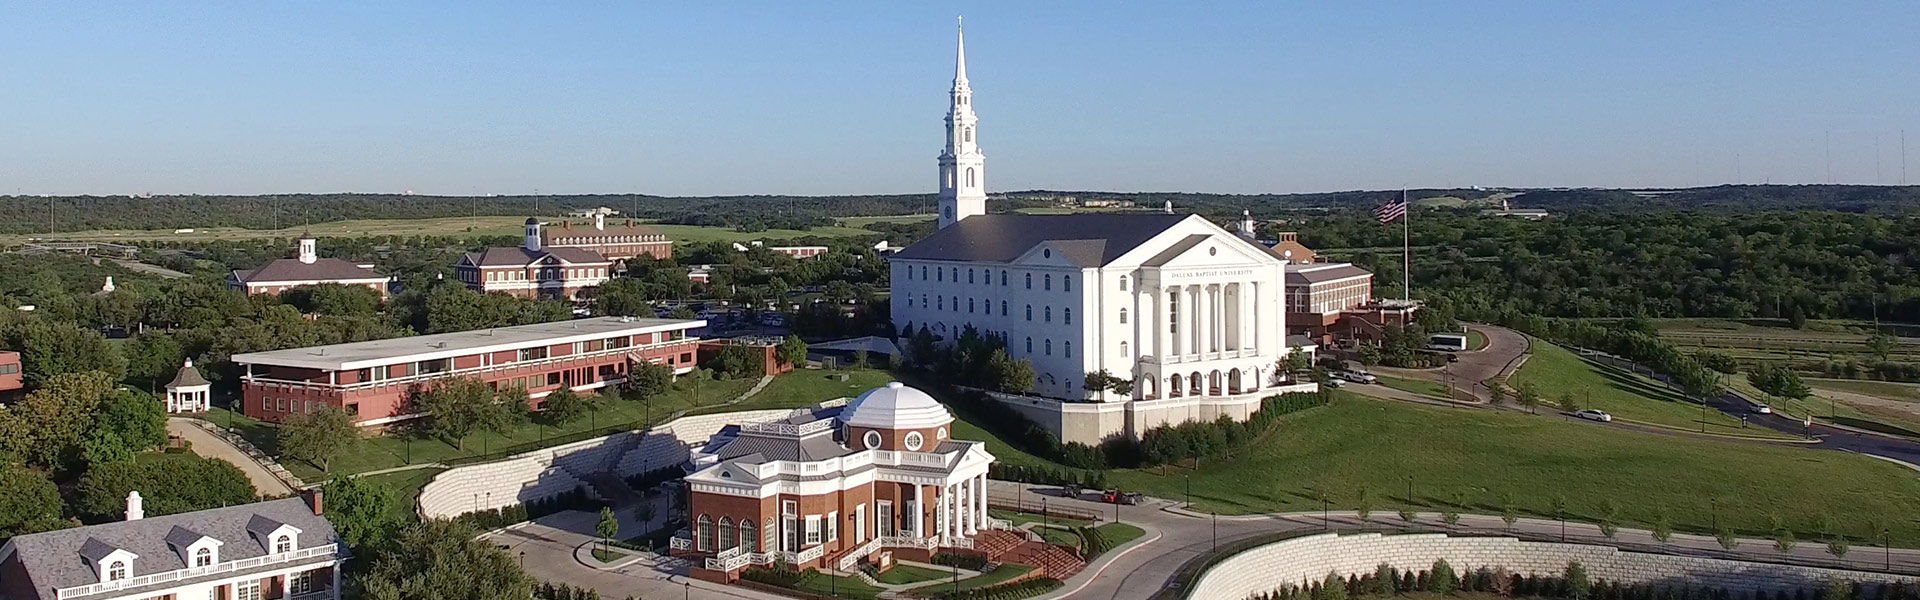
[1173, 388]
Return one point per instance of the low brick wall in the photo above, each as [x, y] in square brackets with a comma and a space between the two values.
[1306, 559]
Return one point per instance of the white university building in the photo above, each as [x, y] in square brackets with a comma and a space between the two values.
[1191, 312]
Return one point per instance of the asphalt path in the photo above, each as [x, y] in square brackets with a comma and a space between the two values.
[1831, 438]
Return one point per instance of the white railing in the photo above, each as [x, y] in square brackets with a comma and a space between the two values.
[805, 555]
[993, 523]
[897, 458]
[410, 378]
[191, 572]
[853, 558]
[895, 541]
[727, 562]
[954, 541]
[680, 543]
[784, 428]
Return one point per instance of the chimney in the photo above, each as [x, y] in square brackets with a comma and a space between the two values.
[314, 497]
[134, 510]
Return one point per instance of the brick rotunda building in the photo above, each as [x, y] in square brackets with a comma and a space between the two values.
[836, 487]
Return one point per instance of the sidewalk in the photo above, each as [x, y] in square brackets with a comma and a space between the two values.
[206, 444]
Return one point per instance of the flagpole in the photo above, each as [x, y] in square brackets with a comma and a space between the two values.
[1406, 248]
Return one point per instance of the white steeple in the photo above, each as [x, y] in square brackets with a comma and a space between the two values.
[1246, 224]
[533, 234]
[963, 170]
[309, 250]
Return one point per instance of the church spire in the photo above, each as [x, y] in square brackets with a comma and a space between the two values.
[963, 169]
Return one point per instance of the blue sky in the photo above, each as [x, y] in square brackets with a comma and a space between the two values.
[847, 97]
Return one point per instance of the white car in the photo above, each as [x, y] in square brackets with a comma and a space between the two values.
[1763, 409]
[1357, 377]
[1595, 415]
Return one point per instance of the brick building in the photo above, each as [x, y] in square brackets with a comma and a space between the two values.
[373, 380]
[534, 270]
[306, 268]
[617, 243]
[273, 550]
[836, 488]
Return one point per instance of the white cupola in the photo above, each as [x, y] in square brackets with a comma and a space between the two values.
[533, 234]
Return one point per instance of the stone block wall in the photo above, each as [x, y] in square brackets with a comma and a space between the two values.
[549, 472]
[1307, 559]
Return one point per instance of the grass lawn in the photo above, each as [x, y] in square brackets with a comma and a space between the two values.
[806, 387]
[1022, 518]
[1058, 536]
[1119, 533]
[1555, 371]
[1891, 390]
[1476, 456]
[1476, 340]
[839, 587]
[1417, 386]
[904, 574]
[999, 575]
[606, 556]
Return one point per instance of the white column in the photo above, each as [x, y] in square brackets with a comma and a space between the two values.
[1259, 335]
[1246, 316]
[967, 513]
[1196, 307]
[945, 519]
[919, 513]
[980, 499]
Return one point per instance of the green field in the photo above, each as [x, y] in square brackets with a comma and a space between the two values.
[839, 587]
[1555, 371]
[1750, 340]
[904, 574]
[1417, 386]
[405, 486]
[489, 225]
[1476, 456]
[999, 575]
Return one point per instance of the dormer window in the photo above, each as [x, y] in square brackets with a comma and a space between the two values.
[282, 544]
[203, 557]
[116, 570]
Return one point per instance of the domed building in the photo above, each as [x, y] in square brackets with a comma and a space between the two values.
[835, 487]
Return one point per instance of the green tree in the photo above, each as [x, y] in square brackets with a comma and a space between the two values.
[459, 406]
[1363, 503]
[1528, 395]
[441, 560]
[1567, 403]
[29, 502]
[49, 426]
[1662, 527]
[1838, 546]
[791, 351]
[1450, 513]
[647, 380]
[1726, 538]
[317, 437]
[333, 299]
[608, 527]
[860, 358]
[1333, 587]
[1881, 344]
[1609, 518]
[153, 357]
[1578, 587]
[563, 406]
[1008, 375]
[361, 511]
[1783, 540]
[1509, 513]
[1444, 580]
[1837, 589]
[169, 484]
[50, 349]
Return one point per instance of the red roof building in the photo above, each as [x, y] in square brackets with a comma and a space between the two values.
[307, 268]
[535, 270]
[617, 243]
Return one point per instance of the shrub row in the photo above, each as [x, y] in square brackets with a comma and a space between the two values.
[778, 575]
[1092, 542]
[970, 562]
[1195, 439]
[562, 591]
[1025, 588]
[496, 518]
[1047, 475]
[1572, 584]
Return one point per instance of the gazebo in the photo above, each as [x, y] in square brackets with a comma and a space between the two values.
[189, 392]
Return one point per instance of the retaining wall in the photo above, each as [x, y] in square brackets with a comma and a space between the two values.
[549, 472]
[1307, 559]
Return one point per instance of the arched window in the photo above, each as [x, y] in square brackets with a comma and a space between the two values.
[1029, 345]
[283, 544]
[939, 275]
[1123, 350]
[1047, 282]
[1067, 315]
[956, 274]
[956, 304]
[1029, 312]
[923, 273]
[909, 272]
[1123, 283]
[116, 570]
[1049, 346]
[1003, 308]
[203, 557]
[943, 302]
[1029, 281]
[703, 535]
[769, 536]
[749, 536]
[969, 177]
[969, 130]
[726, 533]
[969, 275]
[1066, 283]
[1067, 346]
[969, 305]
[1003, 277]
[1049, 311]
[1123, 316]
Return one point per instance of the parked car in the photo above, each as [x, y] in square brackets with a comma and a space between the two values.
[1334, 382]
[1356, 376]
[1072, 491]
[1594, 415]
[1119, 497]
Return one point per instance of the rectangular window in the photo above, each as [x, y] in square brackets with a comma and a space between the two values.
[833, 518]
[533, 353]
[580, 348]
[553, 378]
[614, 343]
[860, 523]
[813, 530]
[353, 409]
[247, 590]
[883, 518]
[431, 366]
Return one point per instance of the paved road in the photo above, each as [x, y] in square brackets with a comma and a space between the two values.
[211, 446]
[1504, 346]
[1138, 574]
[1831, 438]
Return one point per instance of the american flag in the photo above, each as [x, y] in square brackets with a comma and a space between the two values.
[1393, 209]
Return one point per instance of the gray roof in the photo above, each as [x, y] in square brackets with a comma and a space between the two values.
[290, 269]
[52, 559]
[772, 448]
[519, 256]
[180, 537]
[187, 377]
[1098, 238]
[459, 343]
[1322, 273]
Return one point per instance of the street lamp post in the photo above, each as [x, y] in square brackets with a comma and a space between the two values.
[1189, 480]
[1409, 489]
[1326, 516]
[1216, 531]
[1713, 511]
[688, 586]
[1886, 545]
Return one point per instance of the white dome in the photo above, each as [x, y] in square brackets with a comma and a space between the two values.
[895, 406]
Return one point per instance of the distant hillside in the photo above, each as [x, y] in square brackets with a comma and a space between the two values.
[29, 214]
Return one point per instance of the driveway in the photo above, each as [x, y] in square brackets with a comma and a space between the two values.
[212, 446]
[1500, 357]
